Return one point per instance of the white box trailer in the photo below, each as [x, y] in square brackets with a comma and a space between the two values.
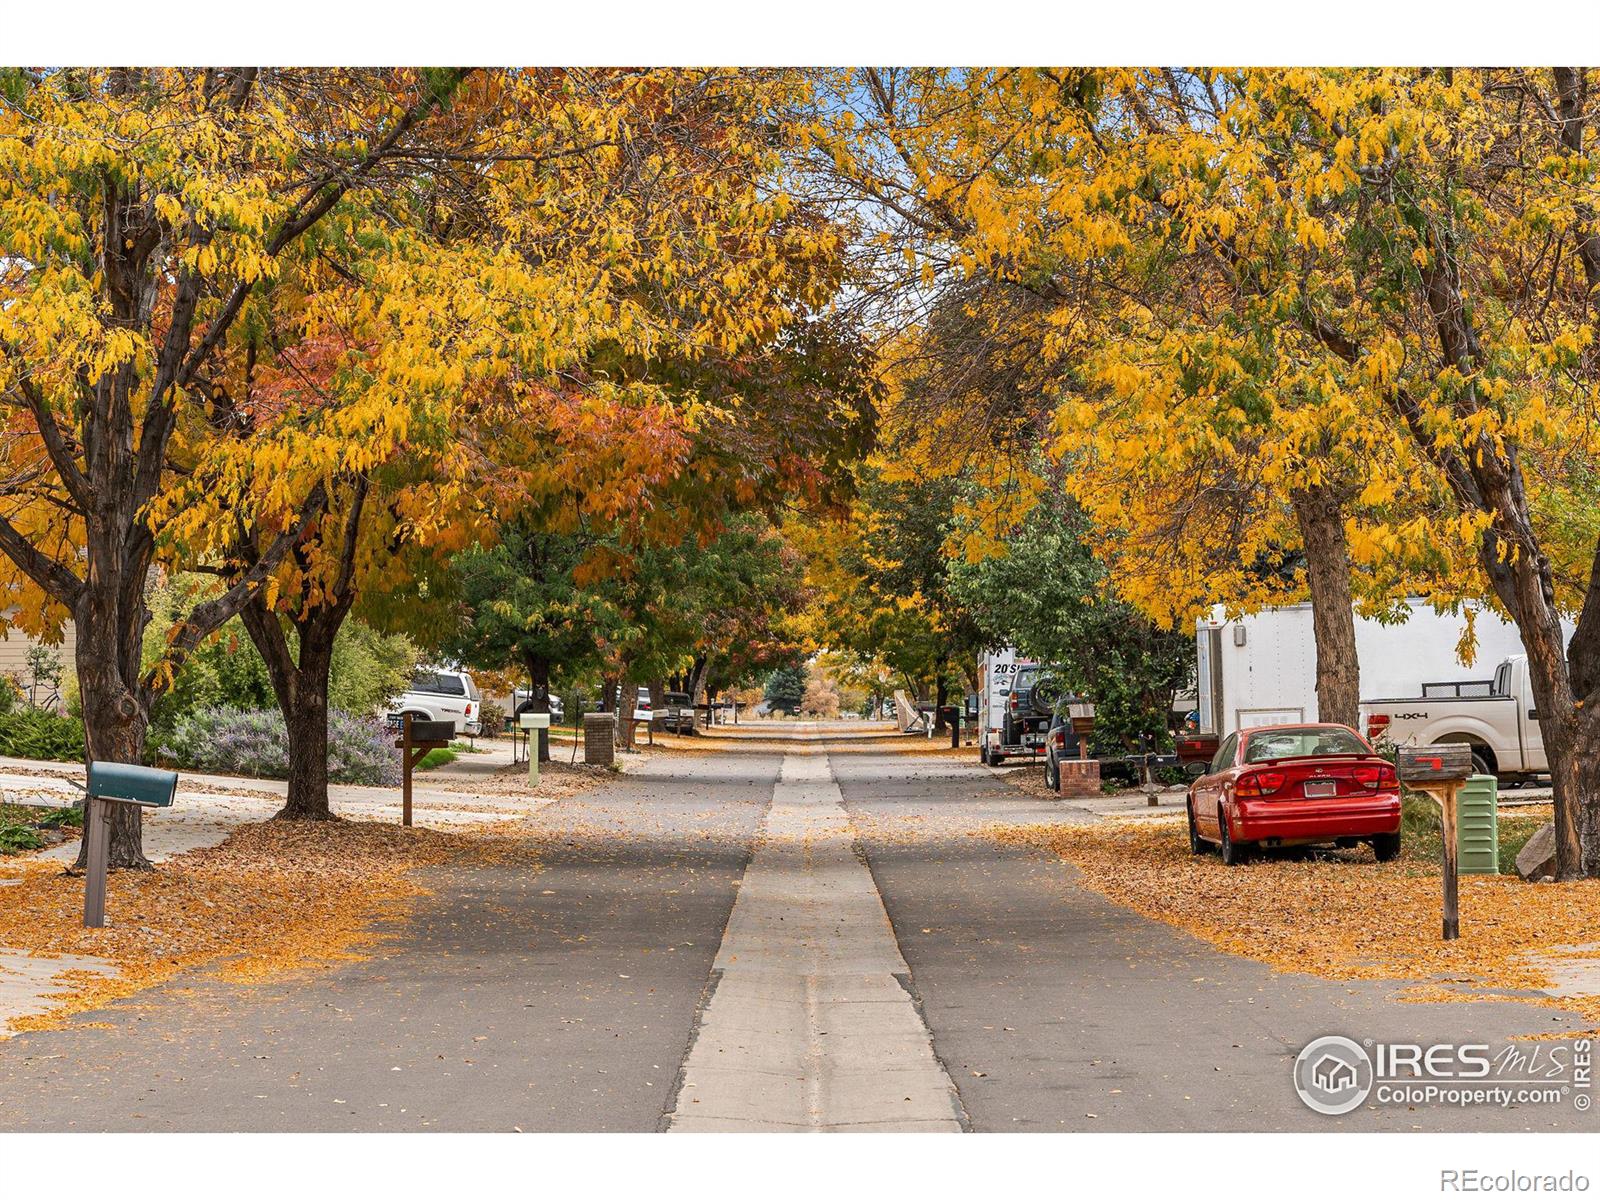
[997, 674]
[1262, 669]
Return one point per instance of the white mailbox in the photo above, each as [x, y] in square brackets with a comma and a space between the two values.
[534, 723]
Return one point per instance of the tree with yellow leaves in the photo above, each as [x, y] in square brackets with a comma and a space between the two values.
[1360, 297]
[519, 348]
[143, 213]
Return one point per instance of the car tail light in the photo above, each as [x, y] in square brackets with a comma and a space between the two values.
[1374, 777]
[1377, 726]
[1259, 783]
[1059, 737]
[469, 708]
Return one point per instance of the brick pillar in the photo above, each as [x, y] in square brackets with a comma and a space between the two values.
[599, 745]
[1079, 777]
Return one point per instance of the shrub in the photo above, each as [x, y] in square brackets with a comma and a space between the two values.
[36, 733]
[369, 668]
[226, 671]
[63, 818]
[361, 750]
[493, 719]
[234, 741]
[14, 837]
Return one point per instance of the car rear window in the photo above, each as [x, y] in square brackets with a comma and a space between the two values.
[438, 685]
[1301, 743]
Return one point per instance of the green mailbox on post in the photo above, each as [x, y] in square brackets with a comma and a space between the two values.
[1478, 825]
[149, 786]
[115, 783]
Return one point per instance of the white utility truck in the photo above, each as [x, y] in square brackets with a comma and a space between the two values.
[1262, 669]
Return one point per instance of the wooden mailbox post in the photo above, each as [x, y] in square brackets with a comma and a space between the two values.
[415, 740]
[1081, 716]
[115, 783]
[1440, 770]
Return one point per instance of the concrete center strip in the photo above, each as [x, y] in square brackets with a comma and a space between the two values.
[808, 1028]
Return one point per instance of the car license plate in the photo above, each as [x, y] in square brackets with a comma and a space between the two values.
[1317, 789]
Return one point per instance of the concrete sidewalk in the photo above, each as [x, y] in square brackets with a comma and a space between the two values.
[810, 1027]
[208, 808]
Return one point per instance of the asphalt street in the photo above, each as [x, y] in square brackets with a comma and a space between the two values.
[789, 932]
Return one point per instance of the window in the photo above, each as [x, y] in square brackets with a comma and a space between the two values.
[435, 684]
[1224, 758]
[1309, 741]
[1502, 680]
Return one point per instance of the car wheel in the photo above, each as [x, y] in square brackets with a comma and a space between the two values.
[1052, 773]
[1386, 847]
[1197, 845]
[1232, 852]
[1480, 765]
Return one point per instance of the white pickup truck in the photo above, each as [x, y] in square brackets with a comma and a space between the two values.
[1496, 717]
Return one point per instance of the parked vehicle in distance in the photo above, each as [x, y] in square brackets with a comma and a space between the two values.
[1012, 722]
[1496, 717]
[1196, 748]
[677, 712]
[438, 694]
[522, 700]
[1115, 762]
[1295, 785]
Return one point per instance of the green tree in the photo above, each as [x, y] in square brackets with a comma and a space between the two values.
[786, 688]
[1048, 595]
[524, 607]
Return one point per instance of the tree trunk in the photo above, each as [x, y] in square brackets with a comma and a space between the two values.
[627, 701]
[695, 686]
[306, 719]
[300, 683]
[113, 737]
[539, 681]
[116, 708]
[1571, 733]
[1320, 514]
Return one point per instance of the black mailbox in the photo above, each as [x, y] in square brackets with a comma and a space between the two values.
[432, 731]
[1445, 762]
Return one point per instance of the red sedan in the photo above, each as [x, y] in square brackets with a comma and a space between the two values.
[1295, 785]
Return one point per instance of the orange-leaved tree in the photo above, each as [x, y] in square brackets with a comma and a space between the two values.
[143, 213]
